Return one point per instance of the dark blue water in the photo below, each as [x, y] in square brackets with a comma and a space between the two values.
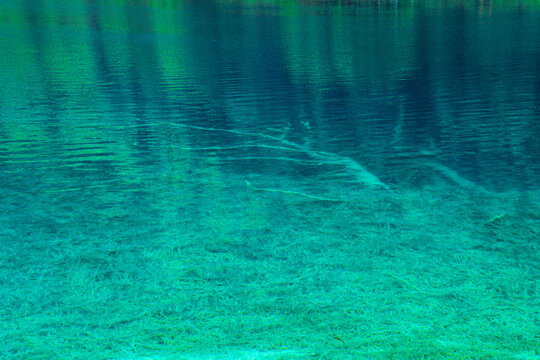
[379, 84]
[134, 131]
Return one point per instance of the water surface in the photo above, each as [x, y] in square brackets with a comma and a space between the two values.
[247, 176]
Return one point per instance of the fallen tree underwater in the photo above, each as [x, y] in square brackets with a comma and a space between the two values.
[348, 165]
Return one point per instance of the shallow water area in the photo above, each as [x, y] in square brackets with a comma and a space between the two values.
[269, 179]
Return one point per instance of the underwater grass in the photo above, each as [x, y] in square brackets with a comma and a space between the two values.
[237, 273]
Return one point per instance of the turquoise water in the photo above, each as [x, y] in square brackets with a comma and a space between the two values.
[269, 179]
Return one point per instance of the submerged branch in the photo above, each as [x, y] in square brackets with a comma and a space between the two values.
[359, 172]
[293, 193]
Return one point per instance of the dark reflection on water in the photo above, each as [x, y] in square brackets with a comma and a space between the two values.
[95, 90]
